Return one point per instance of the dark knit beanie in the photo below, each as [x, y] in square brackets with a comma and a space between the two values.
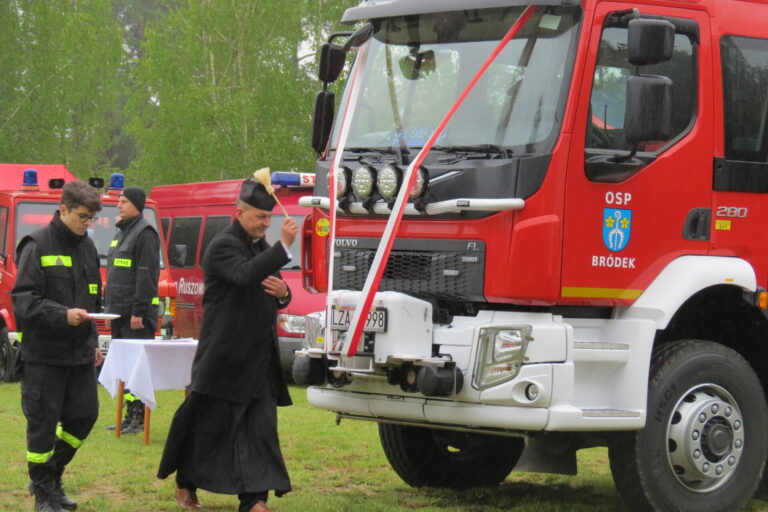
[136, 196]
[254, 194]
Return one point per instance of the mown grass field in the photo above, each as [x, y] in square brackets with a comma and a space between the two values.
[333, 468]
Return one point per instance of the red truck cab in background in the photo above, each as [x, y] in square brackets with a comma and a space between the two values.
[193, 213]
[29, 195]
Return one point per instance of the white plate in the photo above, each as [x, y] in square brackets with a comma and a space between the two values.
[103, 316]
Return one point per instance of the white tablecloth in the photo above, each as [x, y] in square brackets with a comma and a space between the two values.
[148, 365]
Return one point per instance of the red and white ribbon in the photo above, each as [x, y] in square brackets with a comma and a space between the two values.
[385, 245]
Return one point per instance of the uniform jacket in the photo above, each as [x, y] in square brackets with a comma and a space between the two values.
[133, 266]
[58, 270]
[237, 355]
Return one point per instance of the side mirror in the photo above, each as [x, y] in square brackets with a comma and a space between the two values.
[650, 41]
[178, 255]
[648, 114]
[332, 59]
[325, 104]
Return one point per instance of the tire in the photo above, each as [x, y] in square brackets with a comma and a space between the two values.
[703, 447]
[442, 458]
[7, 357]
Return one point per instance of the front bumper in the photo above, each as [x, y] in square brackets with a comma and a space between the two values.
[575, 374]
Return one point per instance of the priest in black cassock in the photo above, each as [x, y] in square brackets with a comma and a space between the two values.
[223, 438]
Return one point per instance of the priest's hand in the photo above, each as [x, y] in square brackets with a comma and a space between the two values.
[275, 287]
[288, 231]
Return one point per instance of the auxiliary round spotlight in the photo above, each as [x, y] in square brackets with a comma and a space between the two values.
[363, 181]
[388, 181]
[532, 392]
[343, 182]
[421, 184]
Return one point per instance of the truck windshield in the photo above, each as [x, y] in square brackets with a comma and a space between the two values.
[31, 216]
[418, 65]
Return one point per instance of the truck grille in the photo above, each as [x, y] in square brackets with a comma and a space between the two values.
[439, 269]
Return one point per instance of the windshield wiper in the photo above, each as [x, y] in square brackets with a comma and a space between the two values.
[479, 149]
[389, 150]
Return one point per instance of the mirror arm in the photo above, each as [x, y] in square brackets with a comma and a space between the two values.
[623, 158]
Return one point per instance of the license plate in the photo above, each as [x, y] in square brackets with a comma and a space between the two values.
[375, 321]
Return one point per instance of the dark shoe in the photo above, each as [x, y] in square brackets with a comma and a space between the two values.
[123, 425]
[65, 501]
[46, 499]
[132, 428]
[188, 499]
[259, 507]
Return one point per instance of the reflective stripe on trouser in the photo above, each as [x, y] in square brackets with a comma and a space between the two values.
[61, 405]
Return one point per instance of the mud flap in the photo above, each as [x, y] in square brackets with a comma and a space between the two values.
[548, 456]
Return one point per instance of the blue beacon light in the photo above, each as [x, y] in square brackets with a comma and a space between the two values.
[117, 181]
[30, 178]
[286, 179]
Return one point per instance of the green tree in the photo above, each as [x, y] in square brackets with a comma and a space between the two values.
[60, 61]
[225, 87]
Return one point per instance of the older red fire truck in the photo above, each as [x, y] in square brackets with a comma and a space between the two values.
[29, 196]
[540, 225]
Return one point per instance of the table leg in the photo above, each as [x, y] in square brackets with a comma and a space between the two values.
[119, 419]
[147, 417]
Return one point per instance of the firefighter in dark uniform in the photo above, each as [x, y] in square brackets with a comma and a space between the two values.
[224, 436]
[133, 266]
[57, 285]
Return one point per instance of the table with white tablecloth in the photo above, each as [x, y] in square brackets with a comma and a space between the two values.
[146, 366]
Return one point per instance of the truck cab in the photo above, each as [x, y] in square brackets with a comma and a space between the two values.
[28, 204]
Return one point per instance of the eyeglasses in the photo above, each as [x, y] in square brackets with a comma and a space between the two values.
[84, 217]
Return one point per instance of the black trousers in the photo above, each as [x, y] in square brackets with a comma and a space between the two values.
[121, 329]
[61, 406]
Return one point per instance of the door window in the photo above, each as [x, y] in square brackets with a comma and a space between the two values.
[213, 226]
[605, 122]
[185, 233]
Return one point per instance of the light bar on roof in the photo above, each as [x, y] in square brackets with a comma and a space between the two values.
[293, 179]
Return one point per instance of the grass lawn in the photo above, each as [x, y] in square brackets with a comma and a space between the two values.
[333, 468]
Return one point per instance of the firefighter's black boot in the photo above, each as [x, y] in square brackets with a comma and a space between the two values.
[135, 418]
[46, 499]
[126, 419]
[65, 501]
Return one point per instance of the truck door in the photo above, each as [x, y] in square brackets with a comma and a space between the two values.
[741, 174]
[182, 253]
[626, 218]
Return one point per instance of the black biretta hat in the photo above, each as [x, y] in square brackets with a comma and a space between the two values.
[254, 194]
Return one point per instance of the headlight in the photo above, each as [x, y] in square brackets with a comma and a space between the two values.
[419, 187]
[363, 180]
[500, 354]
[388, 181]
[292, 324]
[342, 182]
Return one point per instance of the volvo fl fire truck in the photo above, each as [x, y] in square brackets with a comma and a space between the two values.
[29, 196]
[542, 228]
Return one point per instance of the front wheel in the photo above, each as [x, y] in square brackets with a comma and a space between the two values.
[442, 458]
[704, 444]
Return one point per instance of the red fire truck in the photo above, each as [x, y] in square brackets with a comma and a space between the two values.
[544, 233]
[29, 195]
[192, 213]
